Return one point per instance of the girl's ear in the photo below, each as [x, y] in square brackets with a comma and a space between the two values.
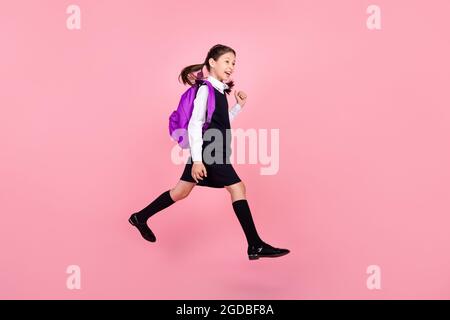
[211, 62]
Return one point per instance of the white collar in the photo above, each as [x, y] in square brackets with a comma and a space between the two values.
[219, 85]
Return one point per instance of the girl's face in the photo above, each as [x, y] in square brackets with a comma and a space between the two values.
[223, 67]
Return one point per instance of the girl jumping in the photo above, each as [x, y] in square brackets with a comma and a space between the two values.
[199, 170]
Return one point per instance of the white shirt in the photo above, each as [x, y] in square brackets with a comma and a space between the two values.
[199, 113]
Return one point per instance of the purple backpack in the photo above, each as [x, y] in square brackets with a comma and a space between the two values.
[179, 119]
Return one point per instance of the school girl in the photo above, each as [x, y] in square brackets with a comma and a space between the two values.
[213, 168]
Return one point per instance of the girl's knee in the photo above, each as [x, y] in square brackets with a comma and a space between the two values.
[179, 193]
[238, 188]
[243, 187]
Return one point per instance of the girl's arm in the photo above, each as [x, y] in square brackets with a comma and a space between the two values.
[196, 123]
[241, 99]
[234, 111]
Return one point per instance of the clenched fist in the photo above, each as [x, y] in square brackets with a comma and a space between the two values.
[241, 97]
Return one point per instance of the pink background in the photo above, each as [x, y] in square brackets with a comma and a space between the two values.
[364, 150]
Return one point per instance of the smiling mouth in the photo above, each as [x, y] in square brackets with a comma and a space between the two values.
[228, 73]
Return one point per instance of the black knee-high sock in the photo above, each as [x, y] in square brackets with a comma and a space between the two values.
[160, 203]
[244, 215]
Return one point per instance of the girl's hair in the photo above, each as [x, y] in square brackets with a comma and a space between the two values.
[215, 52]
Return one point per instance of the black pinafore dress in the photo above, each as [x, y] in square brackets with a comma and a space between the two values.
[220, 174]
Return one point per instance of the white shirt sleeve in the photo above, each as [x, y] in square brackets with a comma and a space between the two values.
[196, 123]
[234, 111]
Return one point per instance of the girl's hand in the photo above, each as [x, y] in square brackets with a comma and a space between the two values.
[198, 171]
[241, 97]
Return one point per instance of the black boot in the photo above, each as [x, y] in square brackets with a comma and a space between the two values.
[143, 228]
[265, 250]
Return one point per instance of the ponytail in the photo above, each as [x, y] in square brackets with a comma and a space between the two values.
[186, 74]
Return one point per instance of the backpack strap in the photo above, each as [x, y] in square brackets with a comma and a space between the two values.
[211, 103]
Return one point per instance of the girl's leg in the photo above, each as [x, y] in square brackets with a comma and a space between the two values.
[181, 190]
[164, 200]
[237, 191]
[243, 213]
[256, 247]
